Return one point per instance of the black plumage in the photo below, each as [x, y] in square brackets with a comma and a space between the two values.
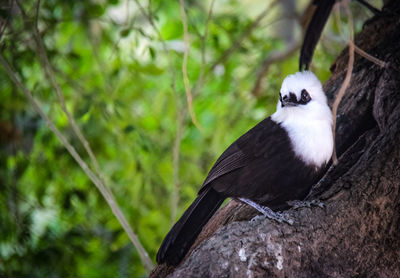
[314, 30]
[182, 235]
[261, 166]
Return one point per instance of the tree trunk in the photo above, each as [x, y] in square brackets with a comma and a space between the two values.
[356, 233]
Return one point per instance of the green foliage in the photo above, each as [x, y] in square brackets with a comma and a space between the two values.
[117, 80]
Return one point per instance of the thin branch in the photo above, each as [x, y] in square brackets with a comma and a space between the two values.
[274, 57]
[164, 45]
[101, 66]
[98, 183]
[238, 42]
[151, 21]
[78, 88]
[37, 14]
[4, 26]
[49, 71]
[369, 57]
[180, 120]
[175, 158]
[189, 97]
[125, 25]
[346, 81]
[200, 80]
[180, 114]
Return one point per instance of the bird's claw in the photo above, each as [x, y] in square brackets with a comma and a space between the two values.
[305, 204]
[268, 213]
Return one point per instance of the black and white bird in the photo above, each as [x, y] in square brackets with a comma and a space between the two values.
[276, 161]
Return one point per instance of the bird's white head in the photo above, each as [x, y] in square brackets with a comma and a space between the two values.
[304, 113]
[301, 89]
[301, 95]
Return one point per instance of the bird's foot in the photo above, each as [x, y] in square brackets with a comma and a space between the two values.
[268, 213]
[305, 204]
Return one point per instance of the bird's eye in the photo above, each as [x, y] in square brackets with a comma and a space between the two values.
[305, 96]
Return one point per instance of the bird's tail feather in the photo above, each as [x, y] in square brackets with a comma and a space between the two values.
[314, 30]
[182, 235]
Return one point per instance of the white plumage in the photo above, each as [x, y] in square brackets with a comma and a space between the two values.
[309, 126]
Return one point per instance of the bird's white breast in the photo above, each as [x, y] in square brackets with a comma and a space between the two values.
[310, 132]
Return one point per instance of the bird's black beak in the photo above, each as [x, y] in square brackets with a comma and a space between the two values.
[288, 101]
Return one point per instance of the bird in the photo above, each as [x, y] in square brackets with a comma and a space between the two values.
[315, 27]
[276, 161]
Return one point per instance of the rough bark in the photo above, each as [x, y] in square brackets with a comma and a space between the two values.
[356, 233]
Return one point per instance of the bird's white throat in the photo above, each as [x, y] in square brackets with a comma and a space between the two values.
[308, 124]
[310, 131]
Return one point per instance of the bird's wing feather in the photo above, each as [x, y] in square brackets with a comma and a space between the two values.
[249, 146]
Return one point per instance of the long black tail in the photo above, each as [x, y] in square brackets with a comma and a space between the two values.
[182, 235]
[315, 27]
[314, 30]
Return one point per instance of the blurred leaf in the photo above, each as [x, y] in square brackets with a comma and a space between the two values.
[129, 128]
[95, 10]
[82, 109]
[125, 32]
[152, 52]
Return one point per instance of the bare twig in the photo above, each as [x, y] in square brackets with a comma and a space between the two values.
[188, 91]
[238, 42]
[180, 120]
[98, 183]
[357, 49]
[151, 21]
[125, 25]
[274, 57]
[37, 14]
[175, 158]
[369, 57]
[181, 111]
[5, 21]
[200, 80]
[101, 66]
[346, 81]
[49, 71]
[78, 88]
[164, 45]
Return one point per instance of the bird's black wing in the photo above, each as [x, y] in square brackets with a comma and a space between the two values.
[261, 166]
[258, 141]
[314, 30]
